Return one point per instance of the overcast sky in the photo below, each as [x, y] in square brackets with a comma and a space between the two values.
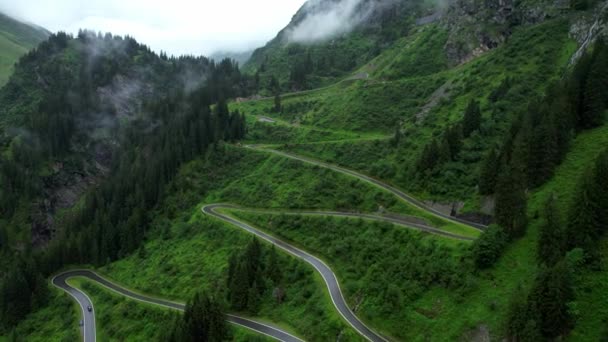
[175, 26]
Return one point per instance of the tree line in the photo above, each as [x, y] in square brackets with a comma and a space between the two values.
[534, 147]
[250, 273]
[112, 219]
[202, 321]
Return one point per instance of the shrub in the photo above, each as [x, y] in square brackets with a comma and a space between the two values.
[488, 247]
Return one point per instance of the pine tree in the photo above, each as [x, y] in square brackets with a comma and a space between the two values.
[543, 151]
[582, 219]
[600, 193]
[489, 173]
[253, 299]
[239, 288]
[273, 269]
[277, 104]
[486, 250]
[472, 119]
[594, 101]
[453, 139]
[551, 294]
[511, 202]
[203, 321]
[429, 157]
[522, 318]
[551, 242]
[521, 155]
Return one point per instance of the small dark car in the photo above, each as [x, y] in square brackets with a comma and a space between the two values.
[89, 308]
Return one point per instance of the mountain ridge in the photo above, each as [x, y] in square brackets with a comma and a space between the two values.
[16, 38]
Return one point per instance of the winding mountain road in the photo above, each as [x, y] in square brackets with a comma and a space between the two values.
[325, 271]
[404, 221]
[329, 277]
[400, 194]
[83, 300]
[88, 318]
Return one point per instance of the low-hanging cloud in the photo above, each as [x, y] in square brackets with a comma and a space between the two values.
[178, 27]
[326, 19]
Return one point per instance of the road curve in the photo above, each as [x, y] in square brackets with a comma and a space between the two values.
[373, 181]
[404, 221]
[89, 326]
[325, 271]
[88, 318]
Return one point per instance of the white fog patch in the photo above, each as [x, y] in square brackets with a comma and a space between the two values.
[178, 27]
[327, 19]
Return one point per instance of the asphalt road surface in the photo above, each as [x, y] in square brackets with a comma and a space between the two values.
[375, 182]
[325, 271]
[89, 317]
[404, 221]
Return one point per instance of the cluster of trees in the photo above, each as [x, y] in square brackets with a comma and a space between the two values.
[177, 125]
[301, 68]
[534, 146]
[449, 145]
[112, 221]
[250, 273]
[543, 312]
[487, 249]
[588, 215]
[22, 290]
[586, 223]
[202, 321]
[307, 65]
[57, 103]
[540, 138]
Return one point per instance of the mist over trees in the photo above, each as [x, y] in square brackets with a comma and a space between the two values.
[177, 125]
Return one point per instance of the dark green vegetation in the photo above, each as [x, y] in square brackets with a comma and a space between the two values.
[514, 131]
[187, 250]
[120, 319]
[429, 112]
[111, 221]
[546, 299]
[16, 39]
[382, 268]
[203, 321]
[57, 321]
[290, 63]
[247, 274]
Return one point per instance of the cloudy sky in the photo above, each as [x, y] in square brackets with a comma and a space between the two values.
[175, 26]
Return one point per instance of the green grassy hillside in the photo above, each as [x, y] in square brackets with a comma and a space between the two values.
[16, 39]
[410, 89]
[379, 115]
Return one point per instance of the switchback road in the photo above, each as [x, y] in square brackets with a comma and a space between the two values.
[325, 271]
[89, 317]
[400, 194]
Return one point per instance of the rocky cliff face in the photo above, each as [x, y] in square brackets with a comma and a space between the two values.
[122, 100]
[476, 26]
[588, 27]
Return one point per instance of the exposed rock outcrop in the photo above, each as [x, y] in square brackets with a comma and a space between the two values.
[478, 26]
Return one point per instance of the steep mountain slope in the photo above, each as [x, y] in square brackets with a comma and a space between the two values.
[16, 38]
[70, 107]
[328, 39]
[504, 106]
[480, 108]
